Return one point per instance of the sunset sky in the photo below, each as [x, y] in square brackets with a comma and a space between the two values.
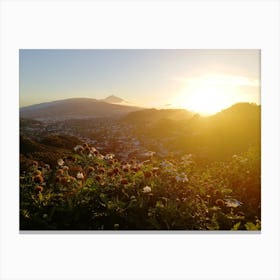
[205, 81]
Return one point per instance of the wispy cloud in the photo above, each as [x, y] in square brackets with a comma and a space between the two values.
[219, 80]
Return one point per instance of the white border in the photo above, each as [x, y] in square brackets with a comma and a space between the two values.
[124, 24]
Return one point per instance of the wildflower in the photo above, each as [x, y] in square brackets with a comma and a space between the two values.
[109, 156]
[60, 162]
[124, 181]
[90, 169]
[47, 167]
[240, 213]
[39, 188]
[59, 172]
[217, 193]
[37, 172]
[148, 154]
[101, 170]
[155, 170]
[147, 189]
[65, 168]
[34, 163]
[80, 176]
[38, 179]
[233, 203]
[87, 150]
[98, 178]
[186, 157]
[99, 156]
[78, 148]
[73, 170]
[167, 164]
[63, 180]
[148, 174]
[219, 202]
[126, 167]
[181, 178]
[135, 168]
[110, 173]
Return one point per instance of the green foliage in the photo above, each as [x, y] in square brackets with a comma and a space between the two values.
[89, 191]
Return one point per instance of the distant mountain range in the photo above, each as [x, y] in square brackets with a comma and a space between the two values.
[75, 108]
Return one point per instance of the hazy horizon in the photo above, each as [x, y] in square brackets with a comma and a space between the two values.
[203, 81]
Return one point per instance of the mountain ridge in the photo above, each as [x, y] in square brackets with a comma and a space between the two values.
[75, 108]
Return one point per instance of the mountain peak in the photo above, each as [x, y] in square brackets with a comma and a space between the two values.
[113, 99]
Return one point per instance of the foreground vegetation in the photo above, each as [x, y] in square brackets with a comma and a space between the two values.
[91, 191]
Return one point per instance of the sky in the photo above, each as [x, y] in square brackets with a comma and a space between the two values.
[204, 81]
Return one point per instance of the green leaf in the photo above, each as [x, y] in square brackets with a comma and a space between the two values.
[236, 226]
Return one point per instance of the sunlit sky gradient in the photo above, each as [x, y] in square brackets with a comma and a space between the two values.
[204, 81]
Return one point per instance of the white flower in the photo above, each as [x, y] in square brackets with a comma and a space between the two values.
[148, 154]
[186, 157]
[147, 189]
[60, 162]
[109, 156]
[167, 164]
[182, 178]
[231, 202]
[78, 147]
[99, 156]
[80, 175]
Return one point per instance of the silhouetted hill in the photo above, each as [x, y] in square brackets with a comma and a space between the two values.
[150, 116]
[74, 108]
[230, 131]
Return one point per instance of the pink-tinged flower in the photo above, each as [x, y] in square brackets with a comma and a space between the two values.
[147, 189]
[80, 176]
[60, 162]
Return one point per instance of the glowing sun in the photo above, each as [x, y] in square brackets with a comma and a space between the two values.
[209, 94]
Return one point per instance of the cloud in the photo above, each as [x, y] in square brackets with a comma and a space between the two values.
[219, 80]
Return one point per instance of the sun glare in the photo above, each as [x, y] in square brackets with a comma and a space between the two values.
[210, 94]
